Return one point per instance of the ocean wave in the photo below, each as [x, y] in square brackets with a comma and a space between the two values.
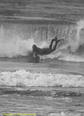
[65, 57]
[72, 58]
[28, 78]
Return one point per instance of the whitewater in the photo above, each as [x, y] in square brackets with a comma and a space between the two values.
[26, 78]
[55, 86]
[17, 40]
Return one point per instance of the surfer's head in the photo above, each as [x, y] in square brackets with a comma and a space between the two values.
[34, 46]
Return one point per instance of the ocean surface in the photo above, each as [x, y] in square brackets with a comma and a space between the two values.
[55, 85]
[52, 87]
[47, 89]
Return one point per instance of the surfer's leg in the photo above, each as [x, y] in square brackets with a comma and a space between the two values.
[55, 45]
[56, 42]
[51, 44]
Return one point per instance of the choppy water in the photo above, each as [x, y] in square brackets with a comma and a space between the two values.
[42, 105]
[33, 90]
[18, 39]
[53, 87]
[60, 91]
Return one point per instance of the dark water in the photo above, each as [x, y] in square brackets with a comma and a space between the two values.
[43, 103]
[41, 10]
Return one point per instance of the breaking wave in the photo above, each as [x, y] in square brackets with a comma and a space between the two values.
[17, 40]
[14, 43]
[73, 47]
[28, 78]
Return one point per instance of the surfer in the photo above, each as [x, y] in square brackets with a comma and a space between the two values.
[45, 51]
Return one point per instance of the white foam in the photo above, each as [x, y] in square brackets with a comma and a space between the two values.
[65, 114]
[14, 43]
[26, 78]
[60, 55]
[72, 58]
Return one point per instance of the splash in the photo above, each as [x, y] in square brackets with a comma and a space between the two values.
[74, 51]
[13, 43]
[74, 36]
[73, 47]
[80, 31]
[18, 40]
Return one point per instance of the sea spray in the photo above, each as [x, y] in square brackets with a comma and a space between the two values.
[74, 49]
[17, 39]
[13, 43]
[76, 36]
[73, 38]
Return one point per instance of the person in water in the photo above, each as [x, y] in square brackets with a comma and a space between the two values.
[44, 51]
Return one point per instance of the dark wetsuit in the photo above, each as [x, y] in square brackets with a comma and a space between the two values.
[45, 51]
